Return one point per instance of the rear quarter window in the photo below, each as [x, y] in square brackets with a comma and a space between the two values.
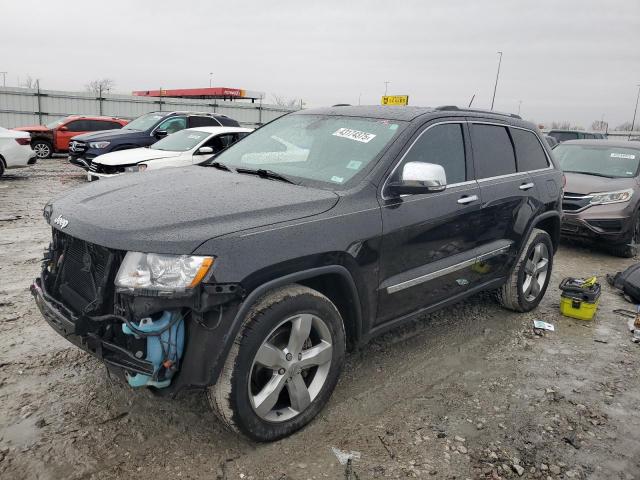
[492, 151]
[529, 153]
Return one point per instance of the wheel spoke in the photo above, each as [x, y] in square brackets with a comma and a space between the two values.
[526, 285]
[530, 267]
[298, 393]
[535, 287]
[300, 330]
[265, 400]
[270, 356]
[542, 265]
[537, 253]
[316, 355]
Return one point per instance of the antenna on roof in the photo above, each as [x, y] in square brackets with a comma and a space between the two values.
[471, 101]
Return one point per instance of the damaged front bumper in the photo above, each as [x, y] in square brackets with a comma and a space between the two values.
[208, 319]
[63, 321]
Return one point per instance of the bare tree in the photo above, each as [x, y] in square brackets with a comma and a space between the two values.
[29, 82]
[100, 86]
[625, 127]
[282, 101]
[565, 125]
[599, 126]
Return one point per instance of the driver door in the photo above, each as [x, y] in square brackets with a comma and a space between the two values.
[429, 240]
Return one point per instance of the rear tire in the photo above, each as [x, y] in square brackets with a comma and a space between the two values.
[42, 148]
[1, 166]
[530, 277]
[283, 365]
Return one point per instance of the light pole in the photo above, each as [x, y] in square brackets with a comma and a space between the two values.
[386, 87]
[633, 122]
[495, 87]
[210, 78]
[519, 106]
[4, 78]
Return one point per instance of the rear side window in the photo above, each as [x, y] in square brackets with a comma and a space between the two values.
[529, 152]
[228, 122]
[492, 151]
[442, 145]
[203, 121]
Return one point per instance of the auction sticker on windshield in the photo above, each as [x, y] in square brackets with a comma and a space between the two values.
[623, 155]
[356, 135]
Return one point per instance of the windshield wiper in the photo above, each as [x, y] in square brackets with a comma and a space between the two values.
[591, 173]
[218, 165]
[261, 172]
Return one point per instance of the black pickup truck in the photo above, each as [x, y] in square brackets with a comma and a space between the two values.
[251, 277]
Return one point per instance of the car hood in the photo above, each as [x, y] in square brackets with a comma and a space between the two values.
[32, 128]
[175, 210]
[133, 155]
[584, 184]
[108, 135]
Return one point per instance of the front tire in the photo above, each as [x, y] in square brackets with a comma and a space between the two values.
[42, 148]
[283, 365]
[529, 279]
[629, 250]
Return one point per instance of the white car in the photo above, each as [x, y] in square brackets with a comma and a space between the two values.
[15, 150]
[185, 147]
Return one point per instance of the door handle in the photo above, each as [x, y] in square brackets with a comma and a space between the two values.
[468, 199]
[527, 186]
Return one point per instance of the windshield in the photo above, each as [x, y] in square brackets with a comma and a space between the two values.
[604, 161]
[320, 148]
[145, 122]
[180, 141]
[55, 123]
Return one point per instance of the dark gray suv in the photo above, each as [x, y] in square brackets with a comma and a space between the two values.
[251, 277]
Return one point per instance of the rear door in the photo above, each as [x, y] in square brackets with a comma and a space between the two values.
[429, 240]
[508, 196]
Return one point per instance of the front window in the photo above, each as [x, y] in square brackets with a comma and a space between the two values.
[324, 149]
[602, 161]
[180, 141]
[145, 122]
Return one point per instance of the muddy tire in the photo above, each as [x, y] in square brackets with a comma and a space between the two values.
[629, 250]
[42, 148]
[283, 365]
[530, 277]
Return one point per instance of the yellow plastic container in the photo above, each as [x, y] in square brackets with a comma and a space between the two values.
[579, 298]
[576, 308]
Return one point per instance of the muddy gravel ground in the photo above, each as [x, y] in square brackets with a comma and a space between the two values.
[469, 392]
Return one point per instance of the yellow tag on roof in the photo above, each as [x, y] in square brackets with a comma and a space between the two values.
[395, 100]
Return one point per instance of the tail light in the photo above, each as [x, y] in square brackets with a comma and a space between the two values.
[23, 141]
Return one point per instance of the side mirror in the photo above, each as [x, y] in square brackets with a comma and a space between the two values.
[205, 150]
[63, 128]
[160, 134]
[419, 177]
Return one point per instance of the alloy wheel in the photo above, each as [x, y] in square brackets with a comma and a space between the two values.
[290, 367]
[536, 270]
[42, 150]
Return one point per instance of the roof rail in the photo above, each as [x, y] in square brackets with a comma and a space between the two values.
[458, 109]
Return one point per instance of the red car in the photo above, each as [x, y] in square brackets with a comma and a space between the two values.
[54, 137]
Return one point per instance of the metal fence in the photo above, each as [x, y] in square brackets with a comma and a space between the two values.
[26, 106]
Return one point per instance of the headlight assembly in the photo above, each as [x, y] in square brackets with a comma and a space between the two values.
[99, 144]
[164, 273]
[612, 197]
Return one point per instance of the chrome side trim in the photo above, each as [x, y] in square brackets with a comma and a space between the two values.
[445, 271]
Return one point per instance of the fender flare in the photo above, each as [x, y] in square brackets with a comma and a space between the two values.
[544, 216]
[295, 277]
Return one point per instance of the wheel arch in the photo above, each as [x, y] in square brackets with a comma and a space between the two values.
[550, 223]
[317, 278]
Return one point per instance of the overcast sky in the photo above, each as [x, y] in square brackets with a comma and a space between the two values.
[566, 60]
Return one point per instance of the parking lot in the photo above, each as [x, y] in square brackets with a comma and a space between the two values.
[469, 392]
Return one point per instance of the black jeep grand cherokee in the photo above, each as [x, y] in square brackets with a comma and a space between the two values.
[250, 277]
